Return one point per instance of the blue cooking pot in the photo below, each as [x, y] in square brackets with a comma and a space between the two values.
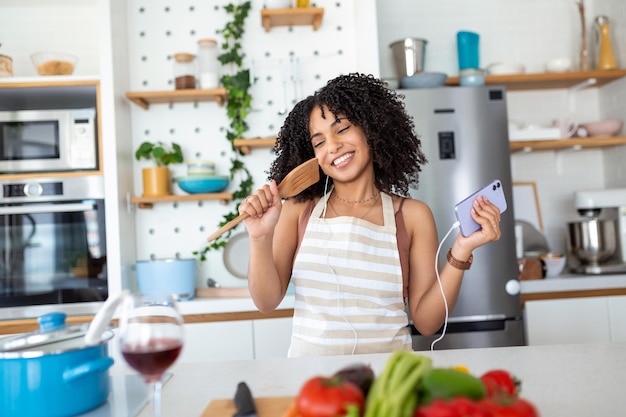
[53, 372]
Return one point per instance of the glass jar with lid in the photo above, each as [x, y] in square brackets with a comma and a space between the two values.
[184, 71]
[208, 64]
[6, 66]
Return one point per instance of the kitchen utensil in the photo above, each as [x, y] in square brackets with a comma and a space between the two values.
[606, 57]
[592, 241]
[296, 181]
[467, 50]
[409, 56]
[600, 128]
[424, 80]
[237, 255]
[151, 338]
[54, 63]
[201, 184]
[244, 401]
[52, 372]
[171, 276]
[103, 318]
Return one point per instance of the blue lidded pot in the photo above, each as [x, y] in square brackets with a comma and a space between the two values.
[53, 372]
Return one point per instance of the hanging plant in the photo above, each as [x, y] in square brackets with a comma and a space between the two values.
[239, 103]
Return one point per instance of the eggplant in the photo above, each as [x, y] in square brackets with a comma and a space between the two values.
[360, 374]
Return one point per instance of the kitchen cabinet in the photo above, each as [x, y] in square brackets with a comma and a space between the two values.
[295, 16]
[271, 337]
[576, 320]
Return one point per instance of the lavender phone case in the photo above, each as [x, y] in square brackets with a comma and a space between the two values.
[494, 193]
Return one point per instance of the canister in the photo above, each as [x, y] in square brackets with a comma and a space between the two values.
[467, 50]
[184, 71]
[208, 64]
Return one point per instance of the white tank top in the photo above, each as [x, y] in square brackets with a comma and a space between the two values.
[348, 287]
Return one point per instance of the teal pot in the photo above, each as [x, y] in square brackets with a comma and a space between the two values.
[170, 276]
[52, 372]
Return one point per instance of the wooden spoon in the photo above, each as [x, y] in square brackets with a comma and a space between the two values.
[299, 179]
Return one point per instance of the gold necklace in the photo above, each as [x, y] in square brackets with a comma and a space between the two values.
[363, 215]
[370, 198]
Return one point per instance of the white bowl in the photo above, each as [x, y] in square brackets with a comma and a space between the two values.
[471, 77]
[503, 68]
[554, 265]
[558, 65]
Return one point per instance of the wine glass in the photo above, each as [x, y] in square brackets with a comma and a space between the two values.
[150, 337]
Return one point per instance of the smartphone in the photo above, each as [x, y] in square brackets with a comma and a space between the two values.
[494, 192]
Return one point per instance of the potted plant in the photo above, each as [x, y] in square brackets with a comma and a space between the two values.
[156, 179]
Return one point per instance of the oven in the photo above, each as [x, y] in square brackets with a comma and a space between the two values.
[52, 241]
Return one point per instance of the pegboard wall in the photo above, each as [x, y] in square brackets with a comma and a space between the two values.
[288, 64]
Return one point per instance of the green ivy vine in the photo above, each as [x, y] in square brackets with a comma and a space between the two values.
[238, 105]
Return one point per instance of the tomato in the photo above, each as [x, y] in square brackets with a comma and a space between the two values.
[499, 382]
[510, 407]
[328, 397]
[457, 407]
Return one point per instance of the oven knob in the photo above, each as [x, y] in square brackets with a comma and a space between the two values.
[33, 189]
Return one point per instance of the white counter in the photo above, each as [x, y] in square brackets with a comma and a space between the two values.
[568, 380]
[574, 282]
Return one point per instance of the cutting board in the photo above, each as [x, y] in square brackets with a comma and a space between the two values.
[265, 406]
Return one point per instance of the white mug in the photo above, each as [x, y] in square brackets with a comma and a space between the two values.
[566, 126]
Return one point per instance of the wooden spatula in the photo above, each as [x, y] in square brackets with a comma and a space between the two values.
[299, 179]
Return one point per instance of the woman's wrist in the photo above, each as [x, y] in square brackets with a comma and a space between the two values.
[461, 262]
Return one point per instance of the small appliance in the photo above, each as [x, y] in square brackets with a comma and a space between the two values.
[597, 242]
[48, 140]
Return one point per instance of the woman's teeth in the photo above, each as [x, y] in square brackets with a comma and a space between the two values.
[343, 158]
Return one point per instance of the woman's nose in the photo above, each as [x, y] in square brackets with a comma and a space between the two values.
[335, 146]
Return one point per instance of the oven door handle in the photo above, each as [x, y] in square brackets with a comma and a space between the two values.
[47, 208]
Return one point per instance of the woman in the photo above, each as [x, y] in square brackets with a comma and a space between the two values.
[356, 248]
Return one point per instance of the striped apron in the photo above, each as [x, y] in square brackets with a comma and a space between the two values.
[348, 287]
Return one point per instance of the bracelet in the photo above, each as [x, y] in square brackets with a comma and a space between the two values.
[463, 265]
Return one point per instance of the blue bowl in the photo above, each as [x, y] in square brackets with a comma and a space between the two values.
[424, 80]
[202, 184]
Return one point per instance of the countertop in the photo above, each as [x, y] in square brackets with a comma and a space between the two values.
[565, 380]
[559, 287]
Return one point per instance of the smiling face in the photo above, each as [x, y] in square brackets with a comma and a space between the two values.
[340, 147]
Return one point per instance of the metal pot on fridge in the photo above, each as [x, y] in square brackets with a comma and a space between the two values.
[55, 371]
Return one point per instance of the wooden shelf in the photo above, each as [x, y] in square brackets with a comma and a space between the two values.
[246, 145]
[144, 98]
[569, 143]
[551, 80]
[148, 202]
[296, 16]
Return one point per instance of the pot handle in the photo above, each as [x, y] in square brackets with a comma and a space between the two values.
[99, 365]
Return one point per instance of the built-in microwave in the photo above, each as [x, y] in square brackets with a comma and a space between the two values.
[48, 140]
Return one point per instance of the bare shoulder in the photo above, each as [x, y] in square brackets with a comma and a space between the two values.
[293, 209]
[416, 213]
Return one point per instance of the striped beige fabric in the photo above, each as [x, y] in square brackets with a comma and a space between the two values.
[348, 287]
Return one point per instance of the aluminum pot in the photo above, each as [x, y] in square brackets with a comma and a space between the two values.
[52, 372]
[591, 241]
[170, 276]
[408, 56]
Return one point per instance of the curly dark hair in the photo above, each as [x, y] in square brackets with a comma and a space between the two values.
[365, 101]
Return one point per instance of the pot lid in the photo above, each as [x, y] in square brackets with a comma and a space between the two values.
[52, 329]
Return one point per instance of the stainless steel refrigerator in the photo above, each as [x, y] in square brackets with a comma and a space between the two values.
[464, 135]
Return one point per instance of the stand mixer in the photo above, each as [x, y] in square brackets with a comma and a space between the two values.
[597, 242]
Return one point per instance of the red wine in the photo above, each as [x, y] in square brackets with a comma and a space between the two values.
[152, 360]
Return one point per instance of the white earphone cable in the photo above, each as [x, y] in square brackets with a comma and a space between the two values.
[443, 294]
